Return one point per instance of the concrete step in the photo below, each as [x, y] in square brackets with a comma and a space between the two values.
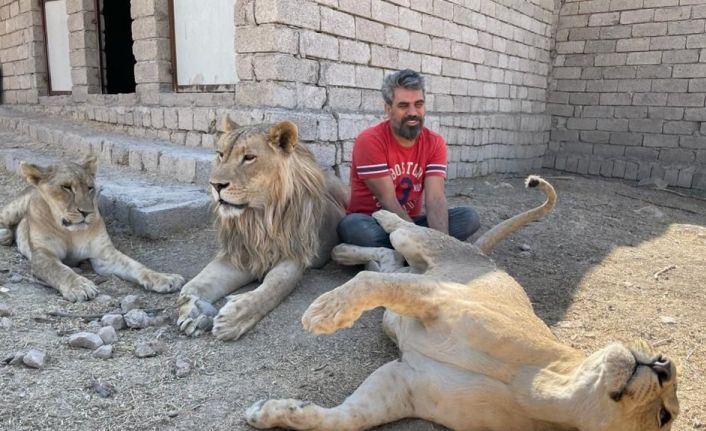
[163, 158]
[150, 205]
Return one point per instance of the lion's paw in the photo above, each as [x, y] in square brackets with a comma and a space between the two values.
[348, 254]
[195, 315]
[6, 236]
[329, 313]
[81, 289]
[389, 220]
[282, 413]
[237, 316]
[162, 282]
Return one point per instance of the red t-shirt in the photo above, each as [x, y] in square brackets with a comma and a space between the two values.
[377, 154]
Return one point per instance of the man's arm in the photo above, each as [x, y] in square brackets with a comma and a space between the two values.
[435, 201]
[384, 190]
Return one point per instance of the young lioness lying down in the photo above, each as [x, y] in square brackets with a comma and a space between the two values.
[475, 357]
[56, 221]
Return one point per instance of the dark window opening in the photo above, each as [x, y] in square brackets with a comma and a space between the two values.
[118, 59]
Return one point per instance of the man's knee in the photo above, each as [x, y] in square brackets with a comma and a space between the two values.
[362, 230]
[463, 222]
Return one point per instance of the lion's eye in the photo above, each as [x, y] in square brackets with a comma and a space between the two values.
[220, 154]
[91, 188]
[664, 417]
[249, 157]
[67, 187]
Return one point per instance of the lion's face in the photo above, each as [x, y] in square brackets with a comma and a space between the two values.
[249, 161]
[68, 190]
[641, 385]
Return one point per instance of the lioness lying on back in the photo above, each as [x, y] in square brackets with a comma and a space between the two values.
[475, 357]
[57, 220]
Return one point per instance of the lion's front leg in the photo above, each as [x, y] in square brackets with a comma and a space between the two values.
[406, 294]
[111, 261]
[243, 311]
[218, 279]
[385, 396]
[72, 286]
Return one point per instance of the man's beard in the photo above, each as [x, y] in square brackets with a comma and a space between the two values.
[406, 131]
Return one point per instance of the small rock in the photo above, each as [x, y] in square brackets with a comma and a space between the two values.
[131, 302]
[100, 280]
[5, 323]
[108, 334]
[35, 359]
[94, 325]
[668, 320]
[17, 359]
[8, 359]
[85, 340]
[103, 299]
[137, 319]
[15, 278]
[182, 367]
[114, 320]
[206, 308]
[525, 254]
[525, 247]
[173, 413]
[103, 390]
[103, 352]
[5, 310]
[149, 349]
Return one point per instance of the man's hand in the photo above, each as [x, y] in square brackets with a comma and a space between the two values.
[384, 191]
[435, 201]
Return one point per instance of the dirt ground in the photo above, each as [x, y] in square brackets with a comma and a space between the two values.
[612, 262]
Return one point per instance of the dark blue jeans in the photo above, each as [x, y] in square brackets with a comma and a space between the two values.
[364, 230]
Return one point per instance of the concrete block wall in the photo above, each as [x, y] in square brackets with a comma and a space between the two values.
[628, 90]
[322, 64]
[22, 51]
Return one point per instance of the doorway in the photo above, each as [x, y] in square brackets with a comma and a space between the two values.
[117, 59]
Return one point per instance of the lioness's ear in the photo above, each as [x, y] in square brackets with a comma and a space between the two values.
[89, 163]
[33, 173]
[229, 124]
[284, 136]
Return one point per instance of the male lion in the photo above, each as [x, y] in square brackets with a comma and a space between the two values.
[276, 215]
[56, 221]
[475, 357]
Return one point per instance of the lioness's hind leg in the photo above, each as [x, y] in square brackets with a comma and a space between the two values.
[6, 236]
[379, 259]
[11, 215]
[383, 397]
[406, 294]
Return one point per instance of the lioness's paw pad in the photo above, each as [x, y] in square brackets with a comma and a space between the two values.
[163, 283]
[82, 289]
[6, 236]
[328, 314]
[274, 413]
[236, 317]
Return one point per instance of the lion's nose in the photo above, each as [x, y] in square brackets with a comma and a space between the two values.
[219, 186]
[663, 368]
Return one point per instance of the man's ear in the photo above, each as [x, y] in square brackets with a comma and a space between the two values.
[284, 136]
[33, 173]
[388, 109]
[90, 164]
[228, 124]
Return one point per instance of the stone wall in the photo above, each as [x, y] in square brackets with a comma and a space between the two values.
[322, 63]
[628, 90]
[22, 51]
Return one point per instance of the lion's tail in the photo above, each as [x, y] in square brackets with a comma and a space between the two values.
[486, 243]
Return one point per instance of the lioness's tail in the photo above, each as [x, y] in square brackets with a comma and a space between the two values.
[486, 243]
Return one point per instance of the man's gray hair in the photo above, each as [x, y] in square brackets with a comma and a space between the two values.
[406, 78]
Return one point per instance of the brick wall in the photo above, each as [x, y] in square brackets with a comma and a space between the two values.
[22, 51]
[628, 90]
[322, 63]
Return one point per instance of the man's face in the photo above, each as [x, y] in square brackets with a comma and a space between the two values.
[406, 112]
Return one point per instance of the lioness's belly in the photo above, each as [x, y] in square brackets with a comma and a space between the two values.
[462, 400]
